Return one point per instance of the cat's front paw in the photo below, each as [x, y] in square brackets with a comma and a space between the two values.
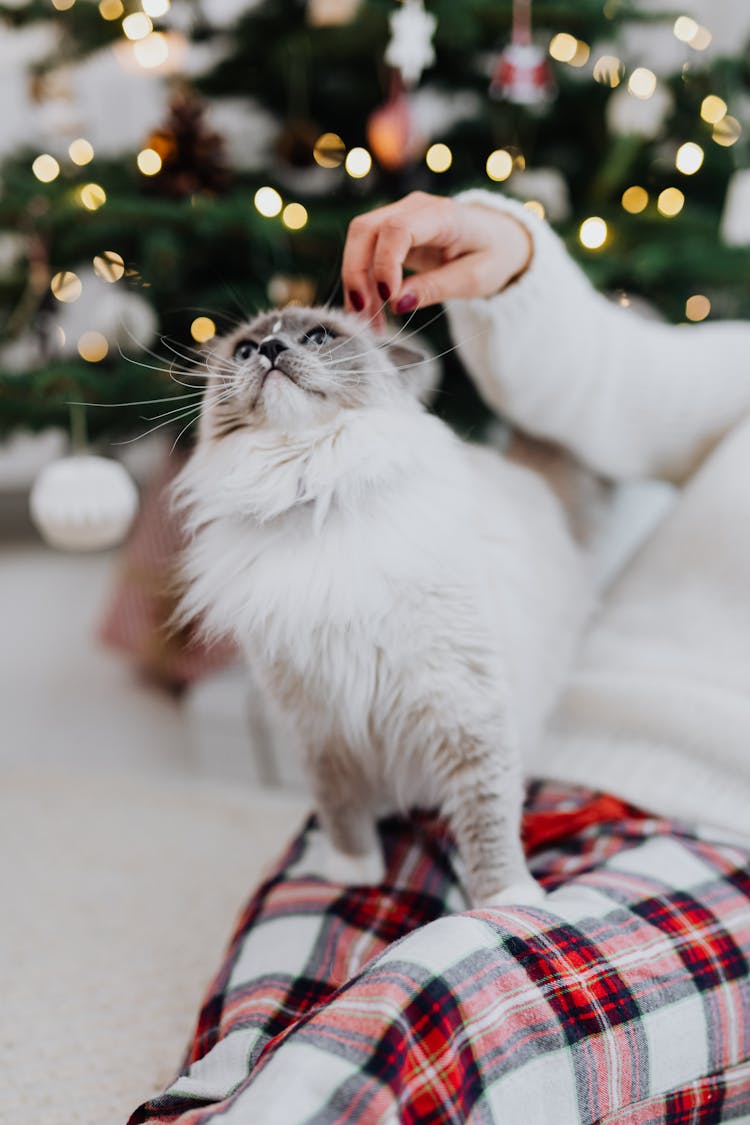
[523, 893]
[352, 870]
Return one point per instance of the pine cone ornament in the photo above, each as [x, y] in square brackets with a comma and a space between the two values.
[192, 155]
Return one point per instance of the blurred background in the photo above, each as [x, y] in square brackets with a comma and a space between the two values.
[170, 166]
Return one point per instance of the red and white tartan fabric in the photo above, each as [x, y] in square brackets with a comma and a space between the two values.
[625, 998]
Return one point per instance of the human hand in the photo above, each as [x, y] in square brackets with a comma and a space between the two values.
[454, 249]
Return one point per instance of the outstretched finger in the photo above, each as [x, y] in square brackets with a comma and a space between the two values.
[418, 219]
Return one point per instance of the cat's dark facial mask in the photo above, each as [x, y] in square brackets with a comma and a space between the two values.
[297, 367]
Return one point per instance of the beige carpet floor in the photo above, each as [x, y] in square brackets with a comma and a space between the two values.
[118, 895]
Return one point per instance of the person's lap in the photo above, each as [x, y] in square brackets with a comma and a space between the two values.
[625, 997]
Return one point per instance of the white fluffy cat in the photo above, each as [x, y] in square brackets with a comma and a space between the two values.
[412, 600]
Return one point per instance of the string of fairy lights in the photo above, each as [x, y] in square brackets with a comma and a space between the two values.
[151, 49]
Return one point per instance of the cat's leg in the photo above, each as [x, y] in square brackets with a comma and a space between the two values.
[351, 847]
[483, 800]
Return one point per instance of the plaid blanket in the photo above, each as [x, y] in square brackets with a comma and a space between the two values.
[625, 998]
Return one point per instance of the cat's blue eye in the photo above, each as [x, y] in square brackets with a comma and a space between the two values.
[244, 350]
[318, 335]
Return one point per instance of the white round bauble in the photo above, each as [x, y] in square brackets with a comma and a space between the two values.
[639, 117]
[83, 503]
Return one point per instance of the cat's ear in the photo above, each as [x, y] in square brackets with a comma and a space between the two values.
[417, 367]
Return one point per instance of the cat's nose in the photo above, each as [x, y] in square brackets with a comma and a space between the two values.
[271, 347]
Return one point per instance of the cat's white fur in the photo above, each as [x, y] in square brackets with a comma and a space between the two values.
[414, 601]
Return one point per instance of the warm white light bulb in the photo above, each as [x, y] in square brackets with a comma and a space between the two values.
[155, 8]
[642, 83]
[499, 165]
[685, 28]
[137, 25]
[438, 158]
[593, 233]
[358, 163]
[689, 158]
[45, 168]
[268, 202]
[202, 329]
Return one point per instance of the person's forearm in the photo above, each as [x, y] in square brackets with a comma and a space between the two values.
[629, 397]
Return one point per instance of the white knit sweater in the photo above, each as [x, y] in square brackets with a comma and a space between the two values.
[658, 708]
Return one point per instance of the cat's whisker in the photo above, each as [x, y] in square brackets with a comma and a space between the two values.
[455, 347]
[365, 325]
[385, 344]
[161, 368]
[195, 410]
[139, 402]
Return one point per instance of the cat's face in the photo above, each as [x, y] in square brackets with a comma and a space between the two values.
[294, 368]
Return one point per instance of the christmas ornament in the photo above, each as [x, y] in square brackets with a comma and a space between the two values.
[523, 73]
[410, 50]
[640, 117]
[83, 503]
[735, 222]
[331, 13]
[391, 132]
[192, 155]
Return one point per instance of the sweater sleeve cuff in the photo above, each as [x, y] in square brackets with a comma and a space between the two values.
[549, 275]
[515, 343]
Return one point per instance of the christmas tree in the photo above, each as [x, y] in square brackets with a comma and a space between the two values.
[286, 118]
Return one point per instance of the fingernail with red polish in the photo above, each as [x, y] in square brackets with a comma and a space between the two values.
[407, 303]
[384, 291]
[357, 300]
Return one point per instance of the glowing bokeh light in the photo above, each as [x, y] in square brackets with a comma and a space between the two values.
[727, 131]
[685, 28]
[93, 347]
[713, 109]
[535, 207]
[81, 151]
[608, 70]
[635, 199]
[268, 202]
[203, 329]
[358, 163]
[593, 233]
[137, 25]
[109, 266]
[499, 165]
[45, 168]
[563, 47]
[689, 158]
[294, 216]
[92, 196]
[697, 307]
[438, 158]
[66, 286]
[152, 51]
[111, 9]
[642, 83]
[670, 202]
[149, 162]
[329, 151]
